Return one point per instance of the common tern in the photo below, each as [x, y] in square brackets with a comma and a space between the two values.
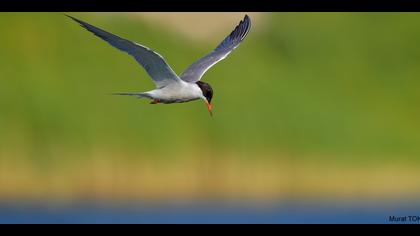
[171, 88]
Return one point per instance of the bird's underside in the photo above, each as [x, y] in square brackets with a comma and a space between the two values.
[156, 100]
[177, 92]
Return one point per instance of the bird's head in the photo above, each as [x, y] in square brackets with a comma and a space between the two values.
[207, 93]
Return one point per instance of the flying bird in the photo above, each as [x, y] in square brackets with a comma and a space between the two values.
[171, 88]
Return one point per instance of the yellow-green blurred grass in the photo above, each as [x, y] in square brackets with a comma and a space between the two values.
[113, 175]
[327, 106]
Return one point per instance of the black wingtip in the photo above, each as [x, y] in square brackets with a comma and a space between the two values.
[80, 22]
[69, 16]
[243, 28]
[75, 19]
[247, 19]
[84, 25]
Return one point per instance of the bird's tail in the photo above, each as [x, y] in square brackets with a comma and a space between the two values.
[138, 95]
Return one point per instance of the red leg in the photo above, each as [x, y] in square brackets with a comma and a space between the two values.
[154, 101]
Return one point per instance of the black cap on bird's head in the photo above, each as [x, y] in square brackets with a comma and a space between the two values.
[207, 93]
[206, 89]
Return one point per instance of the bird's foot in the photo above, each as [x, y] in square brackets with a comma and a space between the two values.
[155, 101]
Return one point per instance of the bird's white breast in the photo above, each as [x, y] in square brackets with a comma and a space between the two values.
[178, 92]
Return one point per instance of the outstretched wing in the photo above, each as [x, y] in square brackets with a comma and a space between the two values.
[160, 72]
[195, 71]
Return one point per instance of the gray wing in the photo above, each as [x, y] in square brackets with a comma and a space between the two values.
[195, 71]
[160, 72]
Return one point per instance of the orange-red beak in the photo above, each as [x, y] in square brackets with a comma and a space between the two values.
[209, 107]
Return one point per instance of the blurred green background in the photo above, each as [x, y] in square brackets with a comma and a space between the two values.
[310, 105]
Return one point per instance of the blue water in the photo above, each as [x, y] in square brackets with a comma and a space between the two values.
[209, 213]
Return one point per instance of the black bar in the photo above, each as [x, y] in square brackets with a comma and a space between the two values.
[211, 5]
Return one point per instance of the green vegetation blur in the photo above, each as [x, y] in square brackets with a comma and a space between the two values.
[319, 87]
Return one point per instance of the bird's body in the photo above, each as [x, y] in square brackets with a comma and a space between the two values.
[171, 88]
[176, 92]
